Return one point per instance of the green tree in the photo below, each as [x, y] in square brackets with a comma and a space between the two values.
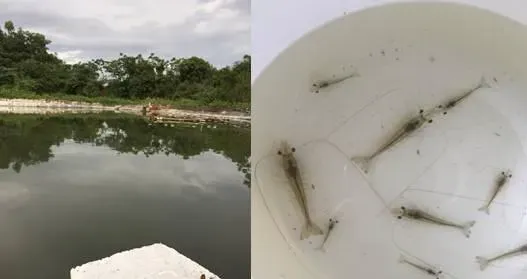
[83, 79]
[26, 63]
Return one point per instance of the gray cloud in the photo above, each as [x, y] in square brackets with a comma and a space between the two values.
[217, 30]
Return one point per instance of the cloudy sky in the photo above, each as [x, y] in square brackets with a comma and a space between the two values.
[217, 30]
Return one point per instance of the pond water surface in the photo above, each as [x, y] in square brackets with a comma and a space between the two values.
[77, 188]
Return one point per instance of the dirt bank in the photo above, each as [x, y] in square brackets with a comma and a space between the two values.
[155, 113]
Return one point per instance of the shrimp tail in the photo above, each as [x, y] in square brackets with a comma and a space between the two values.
[466, 228]
[483, 262]
[402, 259]
[321, 248]
[485, 209]
[310, 229]
[362, 162]
[484, 83]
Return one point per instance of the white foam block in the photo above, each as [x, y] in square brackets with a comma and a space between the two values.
[156, 261]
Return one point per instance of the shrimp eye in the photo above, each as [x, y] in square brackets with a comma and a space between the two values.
[403, 208]
[331, 220]
[430, 121]
[444, 113]
[314, 85]
[293, 149]
[279, 152]
[439, 272]
[421, 111]
[503, 173]
[399, 217]
[440, 106]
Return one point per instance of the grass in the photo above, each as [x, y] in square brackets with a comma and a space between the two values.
[188, 104]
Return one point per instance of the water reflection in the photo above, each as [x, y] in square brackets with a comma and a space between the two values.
[27, 139]
[78, 188]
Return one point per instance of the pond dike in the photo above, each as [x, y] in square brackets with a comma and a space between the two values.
[154, 113]
[154, 261]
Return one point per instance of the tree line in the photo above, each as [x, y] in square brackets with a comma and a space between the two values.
[26, 64]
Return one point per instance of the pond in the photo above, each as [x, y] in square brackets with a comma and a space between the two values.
[78, 188]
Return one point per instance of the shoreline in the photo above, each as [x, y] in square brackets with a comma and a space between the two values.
[154, 113]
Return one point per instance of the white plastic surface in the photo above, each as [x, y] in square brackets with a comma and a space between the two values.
[408, 57]
[156, 261]
[274, 29]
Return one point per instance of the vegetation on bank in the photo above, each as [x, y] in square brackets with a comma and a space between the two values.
[187, 104]
[28, 70]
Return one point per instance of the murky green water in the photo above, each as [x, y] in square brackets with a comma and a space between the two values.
[74, 189]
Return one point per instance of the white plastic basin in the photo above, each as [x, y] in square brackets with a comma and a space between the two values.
[406, 57]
